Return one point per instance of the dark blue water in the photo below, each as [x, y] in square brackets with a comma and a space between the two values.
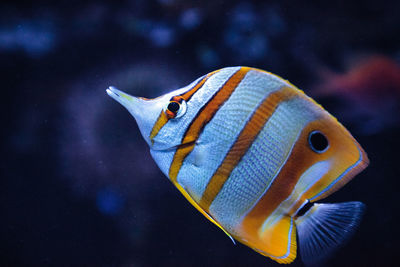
[78, 186]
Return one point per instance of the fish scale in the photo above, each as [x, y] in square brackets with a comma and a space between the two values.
[260, 175]
[241, 153]
[224, 126]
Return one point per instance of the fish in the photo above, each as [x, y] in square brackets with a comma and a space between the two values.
[254, 154]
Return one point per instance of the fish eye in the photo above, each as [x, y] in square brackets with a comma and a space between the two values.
[318, 142]
[176, 107]
[173, 107]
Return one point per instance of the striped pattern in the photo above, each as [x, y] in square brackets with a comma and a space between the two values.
[312, 175]
[219, 135]
[241, 155]
[243, 142]
[205, 114]
[263, 160]
[170, 136]
[188, 95]
[163, 118]
[299, 160]
[161, 121]
[283, 197]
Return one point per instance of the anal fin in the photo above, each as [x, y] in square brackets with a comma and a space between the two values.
[202, 211]
[278, 241]
[324, 227]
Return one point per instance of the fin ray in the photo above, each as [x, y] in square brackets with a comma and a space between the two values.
[323, 228]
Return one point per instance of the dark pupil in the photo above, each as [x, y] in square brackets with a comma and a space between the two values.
[173, 107]
[318, 141]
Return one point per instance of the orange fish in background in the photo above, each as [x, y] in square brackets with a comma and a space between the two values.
[369, 90]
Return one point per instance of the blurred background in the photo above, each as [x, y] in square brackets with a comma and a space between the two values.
[78, 186]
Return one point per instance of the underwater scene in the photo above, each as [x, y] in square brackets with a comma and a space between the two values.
[200, 133]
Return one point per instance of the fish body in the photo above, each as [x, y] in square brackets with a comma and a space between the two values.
[251, 151]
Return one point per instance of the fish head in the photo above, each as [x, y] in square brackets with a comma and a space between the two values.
[328, 152]
[146, 113]
[163, 120]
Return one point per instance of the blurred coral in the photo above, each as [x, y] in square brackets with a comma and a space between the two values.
[371, 79]
[369, 90]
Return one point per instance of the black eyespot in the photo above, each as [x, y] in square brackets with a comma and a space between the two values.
[173, 107]
[318, 142]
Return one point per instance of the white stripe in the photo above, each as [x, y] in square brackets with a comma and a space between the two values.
[172, 133]
[311, 176]
[341, 176]
[221, 132]
[261, 164]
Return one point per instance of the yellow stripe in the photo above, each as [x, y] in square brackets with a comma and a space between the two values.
[163, 119]
[194, 203]
[342, 152]
[191, 92]
[298, 161]
[205, 114]
[243, 142]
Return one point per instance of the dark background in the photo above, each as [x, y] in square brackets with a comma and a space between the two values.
[78, 186]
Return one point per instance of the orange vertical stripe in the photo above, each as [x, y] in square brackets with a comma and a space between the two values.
[342, 152]
[300, 159]
[205, 114]
[163, 119]
[243, 142]
[191, 92]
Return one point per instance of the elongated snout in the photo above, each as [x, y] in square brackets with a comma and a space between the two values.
[128, 101]
[145, 111]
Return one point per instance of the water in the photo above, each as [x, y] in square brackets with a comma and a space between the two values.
[79, 187]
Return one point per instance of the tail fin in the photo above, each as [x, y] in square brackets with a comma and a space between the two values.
[323, 228]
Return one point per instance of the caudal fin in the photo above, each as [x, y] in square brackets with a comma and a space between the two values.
[324, 227]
